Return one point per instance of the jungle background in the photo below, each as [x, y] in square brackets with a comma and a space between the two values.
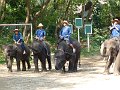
[51, 12]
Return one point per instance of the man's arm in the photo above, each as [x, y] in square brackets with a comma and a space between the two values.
[36, 35]
[14, 39]
[44, 36]
[60, 34]
[116, 27]
[69, 32]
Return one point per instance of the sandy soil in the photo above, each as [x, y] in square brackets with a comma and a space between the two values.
[88, 77]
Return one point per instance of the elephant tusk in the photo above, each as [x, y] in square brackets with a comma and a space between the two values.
[109, 58]
[104, 59]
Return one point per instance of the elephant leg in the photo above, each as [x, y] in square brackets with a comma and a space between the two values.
[18, 65]
[28, 63]
[71, 66]
[108, 64]
[6, 60]
[49, 62]
[75, 65]
[43, 62]
[64, 69]
[36, 63]
[117, 65]
[23, 65]
[10, 65]
[72, 62]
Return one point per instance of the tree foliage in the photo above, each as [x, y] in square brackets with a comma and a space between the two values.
[49, 12]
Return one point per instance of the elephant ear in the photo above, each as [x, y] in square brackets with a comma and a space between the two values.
[103, 48]
[3, 47]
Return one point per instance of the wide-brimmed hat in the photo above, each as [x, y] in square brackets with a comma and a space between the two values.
[40, 25]
[16, 30]
[116, 20]
[66, 22]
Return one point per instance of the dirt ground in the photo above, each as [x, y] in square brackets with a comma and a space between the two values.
[88, 77]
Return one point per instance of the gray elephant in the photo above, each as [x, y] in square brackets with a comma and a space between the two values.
[64, 53]
[15, 51]
[41, 51]
[110, 48]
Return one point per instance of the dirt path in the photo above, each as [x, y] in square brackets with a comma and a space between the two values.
[88, 77]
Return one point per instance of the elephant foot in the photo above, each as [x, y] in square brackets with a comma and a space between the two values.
[74, 70]
[117, 73]
[18, 70]
[24, 69]
[36, 70]
[106, 72]
[44, 70]
[29, 67]
[70, 71]
[50, 68]
[9, 70]
[63, 72]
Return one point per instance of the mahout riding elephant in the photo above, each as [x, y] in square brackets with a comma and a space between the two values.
[110, 48]
[41, 51]
[65, 53]
[12, 51]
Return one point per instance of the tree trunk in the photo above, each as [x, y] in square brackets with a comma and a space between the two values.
[27, 20]
[58, 28]
[43, 6]
[2, 9]
[67, 9]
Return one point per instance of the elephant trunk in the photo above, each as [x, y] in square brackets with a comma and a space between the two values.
[9, 63]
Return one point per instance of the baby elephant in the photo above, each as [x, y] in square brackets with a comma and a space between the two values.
[15, 51]
[110, 48]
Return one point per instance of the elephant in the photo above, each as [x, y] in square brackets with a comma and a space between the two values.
[110, 48]
[65, 53]
[12, 51]
[41, 51]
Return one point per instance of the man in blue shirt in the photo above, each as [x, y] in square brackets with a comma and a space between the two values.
[65, 34]
[18, 39]
[40, 35]
[115, 29]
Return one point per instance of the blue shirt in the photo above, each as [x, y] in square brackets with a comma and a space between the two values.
[40, 33]
[115, 32]
[65, 31]
[17, 37]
